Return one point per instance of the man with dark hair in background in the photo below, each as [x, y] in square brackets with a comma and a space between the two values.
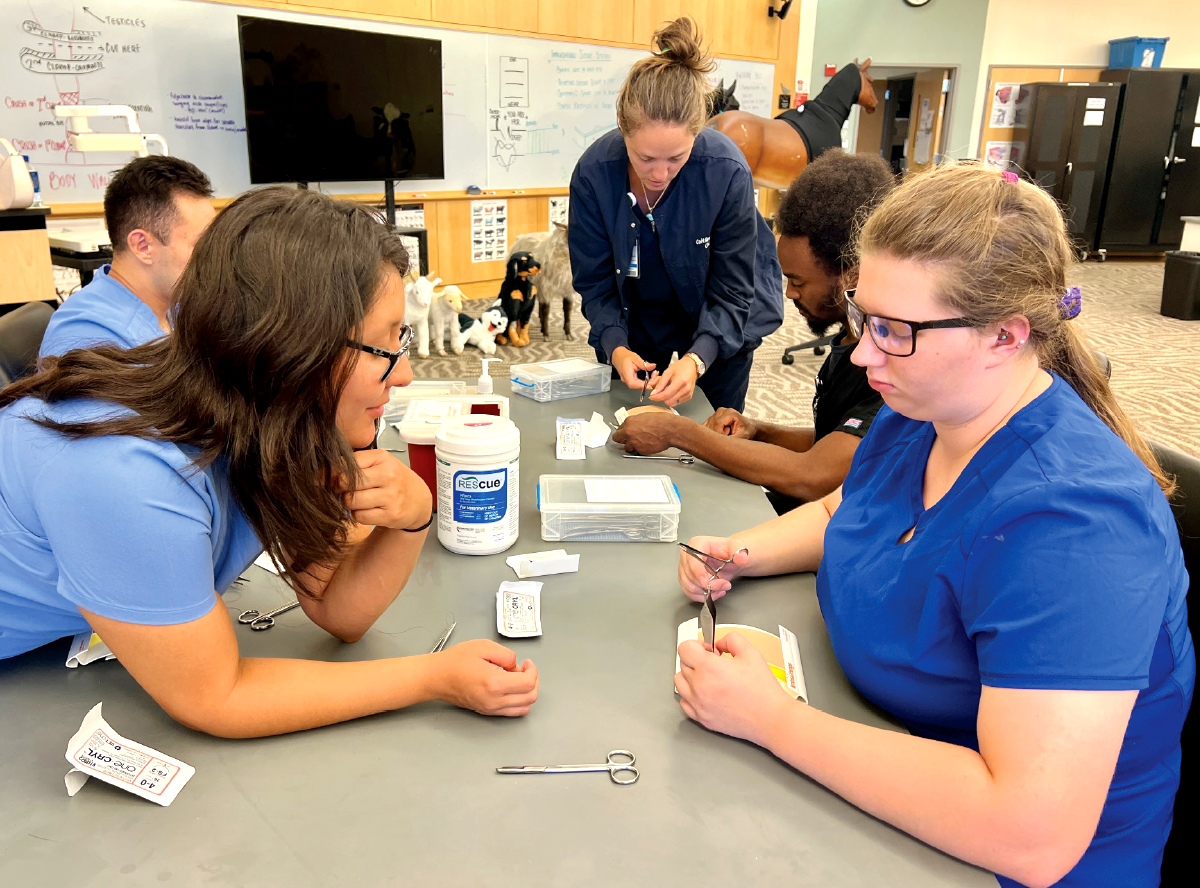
[156, 209]
[815, 224]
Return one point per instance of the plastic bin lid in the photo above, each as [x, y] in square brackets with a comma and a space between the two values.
[423, 418]
[477, 434]
[564, 368]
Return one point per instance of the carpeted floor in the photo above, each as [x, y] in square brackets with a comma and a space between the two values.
[1155, 360]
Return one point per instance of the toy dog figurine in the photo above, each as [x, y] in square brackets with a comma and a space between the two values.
[518, 298]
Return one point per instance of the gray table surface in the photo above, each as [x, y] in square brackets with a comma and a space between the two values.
[411, 797]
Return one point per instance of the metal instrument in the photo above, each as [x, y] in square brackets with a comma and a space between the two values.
[708, 611]
[686, 458]
[619, 764]
[441, 642]
[259, 621]
[708, 621]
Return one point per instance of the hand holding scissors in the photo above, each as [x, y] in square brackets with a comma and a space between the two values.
[619, 764]
[722, 561]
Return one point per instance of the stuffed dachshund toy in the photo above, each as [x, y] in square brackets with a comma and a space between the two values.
[518, 298]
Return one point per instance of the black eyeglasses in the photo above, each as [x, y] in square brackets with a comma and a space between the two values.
[893, 336]
[406, 335]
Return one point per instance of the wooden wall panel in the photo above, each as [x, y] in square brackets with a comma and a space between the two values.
[741, 27]
[25, 258]
[610, 21]
[649, 16]
[508, 15]
[417, 9]
[453, 227]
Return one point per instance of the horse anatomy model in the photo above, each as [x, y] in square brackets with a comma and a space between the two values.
[778, 150]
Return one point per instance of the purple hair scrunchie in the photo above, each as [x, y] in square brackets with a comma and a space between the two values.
[1071, 303]
[1010, 177]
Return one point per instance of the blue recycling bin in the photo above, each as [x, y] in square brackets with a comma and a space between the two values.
[1136, 52]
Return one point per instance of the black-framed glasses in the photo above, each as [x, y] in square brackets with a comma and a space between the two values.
[893, 336]
[406, 335]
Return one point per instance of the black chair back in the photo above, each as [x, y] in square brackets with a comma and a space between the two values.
[1179, 860]
[21, 334]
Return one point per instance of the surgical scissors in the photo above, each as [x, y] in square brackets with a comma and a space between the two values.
[704, 558]
[619, 762]
[259, 621]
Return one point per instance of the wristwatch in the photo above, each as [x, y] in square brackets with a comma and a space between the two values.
[700, 368]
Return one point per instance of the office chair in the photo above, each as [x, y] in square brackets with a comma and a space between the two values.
[817, 345]
[21, 334]
[1179, 858]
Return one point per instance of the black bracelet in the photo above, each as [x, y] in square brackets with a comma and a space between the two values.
[422, 527]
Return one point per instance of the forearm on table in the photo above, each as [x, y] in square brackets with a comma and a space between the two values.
[791, 438]
[370, 575]
[941, 793]
[771, 466]
[275, 696]
[791, 543]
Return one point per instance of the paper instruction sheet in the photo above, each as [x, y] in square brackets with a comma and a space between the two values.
[625, 490]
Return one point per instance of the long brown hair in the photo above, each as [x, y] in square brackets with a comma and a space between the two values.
[670, 86]
[255, 365]
[999, 248]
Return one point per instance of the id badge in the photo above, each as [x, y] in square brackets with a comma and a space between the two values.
[633, 262]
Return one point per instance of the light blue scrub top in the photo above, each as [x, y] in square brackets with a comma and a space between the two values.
[121, 526]
[1053, 562]
[102, 313]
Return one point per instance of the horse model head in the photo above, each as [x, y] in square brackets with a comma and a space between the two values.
[722, 99]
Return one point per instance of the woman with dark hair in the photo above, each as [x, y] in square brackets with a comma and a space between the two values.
[136, 482]
[668, 250]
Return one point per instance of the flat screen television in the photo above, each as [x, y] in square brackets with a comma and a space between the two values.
[338, 105]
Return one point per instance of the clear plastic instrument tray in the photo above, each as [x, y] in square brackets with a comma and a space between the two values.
[555, 380]
[620, 508]
[419, 389]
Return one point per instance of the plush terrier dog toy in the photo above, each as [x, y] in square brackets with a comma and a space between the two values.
[518, 298]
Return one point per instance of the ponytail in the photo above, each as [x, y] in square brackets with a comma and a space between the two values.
[671, 86]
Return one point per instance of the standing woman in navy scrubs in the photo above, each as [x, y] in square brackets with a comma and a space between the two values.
[1001, 570]
[668, 250]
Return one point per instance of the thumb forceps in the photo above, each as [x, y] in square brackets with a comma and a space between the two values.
[619, 765]
[258, 621]
[686, 458]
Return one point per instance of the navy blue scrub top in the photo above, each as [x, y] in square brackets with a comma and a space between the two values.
[658, 322]
[1053, 562]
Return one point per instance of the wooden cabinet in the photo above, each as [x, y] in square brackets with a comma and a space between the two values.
[418, 9]
[650, 15]
[25, 257]
[610, 22]
[508, 15]
[741, 27]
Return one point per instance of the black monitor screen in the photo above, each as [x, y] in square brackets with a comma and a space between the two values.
[336, 105]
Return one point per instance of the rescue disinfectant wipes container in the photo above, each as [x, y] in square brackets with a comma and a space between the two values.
[478, 473]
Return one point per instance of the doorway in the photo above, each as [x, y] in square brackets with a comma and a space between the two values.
[914, 127]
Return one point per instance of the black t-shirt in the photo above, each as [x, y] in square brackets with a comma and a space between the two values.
[844, 402]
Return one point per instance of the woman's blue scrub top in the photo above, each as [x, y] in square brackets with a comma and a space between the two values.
[1053, 562]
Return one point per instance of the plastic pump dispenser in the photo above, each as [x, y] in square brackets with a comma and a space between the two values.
[485, 380]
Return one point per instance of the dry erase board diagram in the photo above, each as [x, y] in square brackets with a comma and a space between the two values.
[518, 111]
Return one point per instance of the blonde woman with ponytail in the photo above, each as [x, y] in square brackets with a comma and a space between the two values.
[668, 251]
[1000, 570]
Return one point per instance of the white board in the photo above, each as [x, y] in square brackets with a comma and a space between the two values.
[177, 62]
